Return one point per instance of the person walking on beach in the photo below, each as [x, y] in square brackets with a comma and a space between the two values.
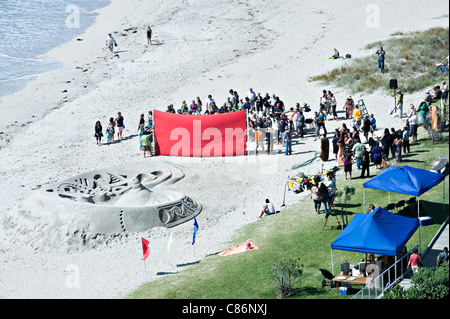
[98, 133]
[149, 36]
[110, 42]
[120, 125]
[381, 53]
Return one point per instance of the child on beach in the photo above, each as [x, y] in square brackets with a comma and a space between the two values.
[109, 134]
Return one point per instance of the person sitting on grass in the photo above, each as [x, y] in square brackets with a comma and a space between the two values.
[268, 208]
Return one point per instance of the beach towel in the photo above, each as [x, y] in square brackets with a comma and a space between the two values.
[332, 59]
[434, 117]
[241, 248]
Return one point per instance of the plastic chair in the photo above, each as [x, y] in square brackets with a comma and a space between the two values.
[412, 200]
[390, 207]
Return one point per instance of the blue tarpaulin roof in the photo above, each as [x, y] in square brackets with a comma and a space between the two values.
[379, 233]
[405, 180]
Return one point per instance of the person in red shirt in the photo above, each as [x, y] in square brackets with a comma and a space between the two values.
[414, 261]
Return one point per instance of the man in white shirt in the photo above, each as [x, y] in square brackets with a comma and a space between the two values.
[268, 208]
[232, 97]
[110, 42]
[252, 97]
[414, 123]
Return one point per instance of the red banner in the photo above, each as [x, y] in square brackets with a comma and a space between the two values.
[200, 135]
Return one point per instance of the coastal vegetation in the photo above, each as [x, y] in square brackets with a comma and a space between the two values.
[411, 58]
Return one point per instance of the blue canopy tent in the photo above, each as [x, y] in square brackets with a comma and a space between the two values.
[404, 180]
[378, 233]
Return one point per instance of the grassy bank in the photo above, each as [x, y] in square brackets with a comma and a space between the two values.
[295, 232]
[410, 58]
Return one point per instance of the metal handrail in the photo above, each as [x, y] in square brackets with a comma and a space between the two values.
[367, 289]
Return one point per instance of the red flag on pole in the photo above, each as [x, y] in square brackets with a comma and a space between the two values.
[145, 249]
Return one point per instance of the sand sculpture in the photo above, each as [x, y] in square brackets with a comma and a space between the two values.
[127, 198]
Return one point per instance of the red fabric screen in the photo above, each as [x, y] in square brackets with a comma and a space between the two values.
[200, 135]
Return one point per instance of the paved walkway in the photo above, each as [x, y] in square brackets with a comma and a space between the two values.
[429, 259]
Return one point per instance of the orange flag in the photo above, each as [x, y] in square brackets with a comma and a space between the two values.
[145, 249]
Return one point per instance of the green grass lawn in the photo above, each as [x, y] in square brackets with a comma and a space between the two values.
[296, 232]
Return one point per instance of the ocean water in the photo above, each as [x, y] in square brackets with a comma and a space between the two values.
[30, 28]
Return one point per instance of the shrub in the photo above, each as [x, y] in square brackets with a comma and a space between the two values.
[429, 283]
[286, 274]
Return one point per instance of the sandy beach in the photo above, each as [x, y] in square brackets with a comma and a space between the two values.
[199, 48]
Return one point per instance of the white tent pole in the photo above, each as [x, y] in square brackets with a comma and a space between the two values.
[364, 196]
[153, 146]
[332, 263]
[420, 226]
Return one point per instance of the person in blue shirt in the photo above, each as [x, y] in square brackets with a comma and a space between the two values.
[247, 104]
[322, 118]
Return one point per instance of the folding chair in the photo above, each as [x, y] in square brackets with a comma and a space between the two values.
[390, 207]
[412, 200]
[400, 203]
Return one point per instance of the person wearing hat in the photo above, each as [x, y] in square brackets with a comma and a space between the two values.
[348, 107]
[399, 105]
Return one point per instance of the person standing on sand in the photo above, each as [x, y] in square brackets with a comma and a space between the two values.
[381, 53]
[110, 42]
[149, 36]
[120, 125]
[349, 105]
[98, 133]
[112, 128]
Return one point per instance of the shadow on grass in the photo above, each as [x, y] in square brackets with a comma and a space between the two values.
[307, 292]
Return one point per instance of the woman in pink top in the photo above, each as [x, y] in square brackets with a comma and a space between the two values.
[414, 261]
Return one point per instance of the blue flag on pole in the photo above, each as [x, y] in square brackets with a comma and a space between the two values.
[195, 230]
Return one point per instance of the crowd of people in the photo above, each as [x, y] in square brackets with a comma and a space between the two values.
[271, 123]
